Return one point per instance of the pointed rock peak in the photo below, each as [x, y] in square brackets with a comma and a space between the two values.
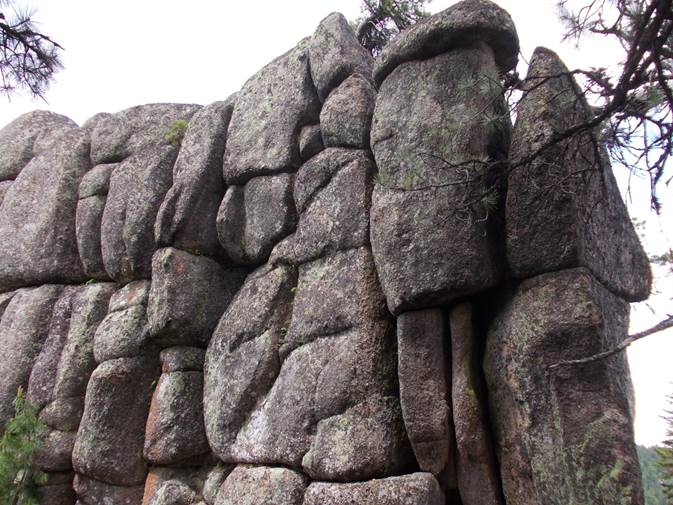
[464, 23]
[335, 54]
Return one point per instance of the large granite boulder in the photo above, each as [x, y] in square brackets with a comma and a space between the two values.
[187, 215]
[242, 358]
[94, 492]
[137, 188]
[37, 217]
[187, 297]
[252, 485]
[115, 137]
[564, 208]
[335, 202]
[562, 435]
[28, 136]
[253, 218]
[346, 116]
[123, 333]
[175, 433]
[465, 23]
[435, 209]
[424, 388]
[413, 489]
[92, 197]
[336, 54]
[270, 110]
[23, 330]
[109, 445]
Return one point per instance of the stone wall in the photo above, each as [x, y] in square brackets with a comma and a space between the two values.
[338, 288]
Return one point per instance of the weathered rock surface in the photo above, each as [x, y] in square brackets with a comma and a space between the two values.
[250, 485]
[137, 188]
[96, 182]
[115, 137]
[109, 443]
[251, 220]
[63, 413]
[43, 373]
[123, 333]
[242, 358]
[346, 116]
[564, 209]
[365, 442]
[188, 296]
[423, 356]
[28, 136]
[173, 493]
[23, 330]
[465, 23]
[563, 435]
[93, 492]
[77, 359]
[175, 432]
[336, 54]
[57, 494]
[182, 359]
[336, 216]
[434, 214]
[5, 185]
[413, 489]
[5, 298]
[477, 470]
[270, 110]
[88, 222]
[54, 455]
[188, 213]
[187, 477]
[216, 477]
[37, 223]
[310, 144]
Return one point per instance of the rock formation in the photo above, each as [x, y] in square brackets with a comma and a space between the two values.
[338, 287]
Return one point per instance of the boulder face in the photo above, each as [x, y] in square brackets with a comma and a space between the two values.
[331, 288]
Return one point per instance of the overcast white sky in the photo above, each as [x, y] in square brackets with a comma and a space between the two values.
[124, 53]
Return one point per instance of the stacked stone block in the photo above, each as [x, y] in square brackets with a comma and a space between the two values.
[339, 286]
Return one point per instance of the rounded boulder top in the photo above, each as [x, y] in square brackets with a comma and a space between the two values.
[463, 23]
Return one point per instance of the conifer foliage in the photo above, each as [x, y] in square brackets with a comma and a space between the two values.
[665, 454]
[23, 436]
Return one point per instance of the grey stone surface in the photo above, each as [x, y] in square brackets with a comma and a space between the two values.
[137, 188]
[270, 110]
[173, 493]
[122, 334]
[187, 215]
[470, 22]
[23, 330]
[77, 359]
[132, 294]
[421, 259]
[563, 435]
[56, 494]
[192, 477]
[346, 116]
[310, 143]
[336, 54]
[96, 182]
[27, 136]
[252, 220]
[435, 193]
[250, 485]
[216, 477]
[182, 359]
[242, 358]
[477, 469]
[37, 217]
[317, 172]
[5, 298]
[43, 372]
[187, 297]
[93, 492]
[175, 432]
[413, 489]
[334, 294]
[4, 188]
[55, 452]
[564, 209]
[63, 413]
[423, 356]
[110, 438]
[366, 441]
[88, 222]
[117, 136]
[337, 217]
